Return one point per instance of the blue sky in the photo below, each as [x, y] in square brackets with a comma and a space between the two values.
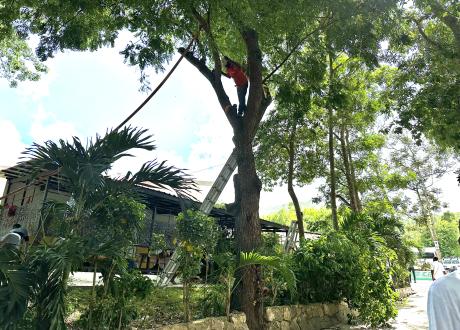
[85, 93]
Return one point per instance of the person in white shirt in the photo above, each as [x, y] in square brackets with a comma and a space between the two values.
[15, 237]
[444, 303]
[437, 269]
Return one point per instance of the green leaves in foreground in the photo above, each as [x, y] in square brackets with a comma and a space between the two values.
[14, 286]
[275, 262]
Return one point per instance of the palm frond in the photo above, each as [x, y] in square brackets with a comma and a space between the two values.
[51, 267]
[115, 144]
[83, 165]
[163, 176]
[14, 286]
[275, 262]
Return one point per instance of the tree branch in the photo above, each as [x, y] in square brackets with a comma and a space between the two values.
[205, 25]
[301, 41]
[448, 19]
[256, 105]
[425, 37]
[216, 84]
[343, 200]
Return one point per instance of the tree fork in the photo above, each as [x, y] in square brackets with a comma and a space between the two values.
[247, 183]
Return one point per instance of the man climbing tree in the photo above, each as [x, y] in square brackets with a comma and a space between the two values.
[235, 71]
[240, 28]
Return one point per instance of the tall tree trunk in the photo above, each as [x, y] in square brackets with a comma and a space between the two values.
[333, 194]
[332, 179]
[359, 205]
[426, 213]
[248, 235]
[295, 200]
[346, 165]
[246, 181]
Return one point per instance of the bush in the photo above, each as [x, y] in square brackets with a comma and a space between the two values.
[115, 308]
[198, 235]
[337, 267]
[211, 301]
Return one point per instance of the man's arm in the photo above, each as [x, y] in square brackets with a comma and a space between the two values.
[432, 274]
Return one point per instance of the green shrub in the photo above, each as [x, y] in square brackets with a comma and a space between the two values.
[337, 267]
[115, 308]
[198, 235]
[211, 301]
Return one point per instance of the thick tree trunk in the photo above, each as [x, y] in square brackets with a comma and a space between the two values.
[295, 200]
[346, 165]
[247, 184]
[248, 235]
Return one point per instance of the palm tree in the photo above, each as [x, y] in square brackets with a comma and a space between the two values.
[84, 169]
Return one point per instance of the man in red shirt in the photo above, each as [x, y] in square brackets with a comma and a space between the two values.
[235, 71]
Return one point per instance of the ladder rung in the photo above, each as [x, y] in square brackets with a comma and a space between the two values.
[206, 207]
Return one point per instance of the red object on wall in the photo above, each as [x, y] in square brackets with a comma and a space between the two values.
[12, 210]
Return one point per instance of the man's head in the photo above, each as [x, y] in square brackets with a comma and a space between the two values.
[227, 62]
[21, 232]
[435, 258]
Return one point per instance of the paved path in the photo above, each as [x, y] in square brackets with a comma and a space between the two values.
[412, 313]
[85, 279]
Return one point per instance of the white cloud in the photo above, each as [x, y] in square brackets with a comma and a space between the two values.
[46, 127]
[37, 90]
[12, 147]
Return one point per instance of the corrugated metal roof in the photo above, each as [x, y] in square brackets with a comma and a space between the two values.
[165, 200]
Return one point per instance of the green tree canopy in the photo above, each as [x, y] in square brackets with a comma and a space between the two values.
[427, 53]
[17, 60]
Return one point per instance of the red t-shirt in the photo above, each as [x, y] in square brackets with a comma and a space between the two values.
[238, 75]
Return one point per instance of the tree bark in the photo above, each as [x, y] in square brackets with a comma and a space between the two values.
[295, 200]
[426, 213]
[335, 222]
[246, 181]
[332, 182]
[346, 165]
[359, 205]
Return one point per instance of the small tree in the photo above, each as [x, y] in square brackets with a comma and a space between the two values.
[97, 201]
[197, 234]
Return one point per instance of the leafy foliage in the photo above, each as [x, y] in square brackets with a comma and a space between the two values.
[352, 266]
[197, 234]
[15, 283]
[17, 60]
[426, 49]
[227, 276]
[98, 223]
[115, 309]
